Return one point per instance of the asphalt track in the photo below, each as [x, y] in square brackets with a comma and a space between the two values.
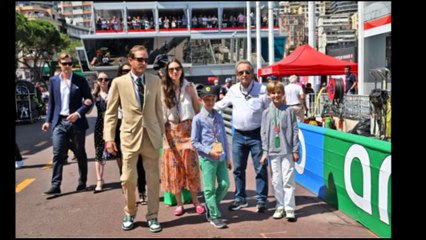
[87, 215]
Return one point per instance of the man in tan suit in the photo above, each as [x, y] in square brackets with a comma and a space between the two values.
[139, 95]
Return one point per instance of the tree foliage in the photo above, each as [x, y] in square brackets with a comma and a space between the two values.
[71, 47]
[37, 41]
[21, 30]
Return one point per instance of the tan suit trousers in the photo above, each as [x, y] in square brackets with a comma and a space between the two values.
[150, 156]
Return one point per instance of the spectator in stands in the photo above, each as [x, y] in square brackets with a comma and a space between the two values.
[115, 23]
[97, 60]
[241, 19]
[98, 23]
[105, 59]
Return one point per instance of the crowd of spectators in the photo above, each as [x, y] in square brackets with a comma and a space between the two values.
[174, 21]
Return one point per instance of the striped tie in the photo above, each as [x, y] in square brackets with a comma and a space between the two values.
[140, 90]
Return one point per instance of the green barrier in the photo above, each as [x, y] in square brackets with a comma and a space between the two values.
[357, 172]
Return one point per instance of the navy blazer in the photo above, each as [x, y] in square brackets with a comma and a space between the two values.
[79, 91]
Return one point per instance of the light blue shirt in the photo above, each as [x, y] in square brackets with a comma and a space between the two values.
[206, 128]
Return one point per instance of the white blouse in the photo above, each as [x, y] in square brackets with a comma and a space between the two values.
[184, 109]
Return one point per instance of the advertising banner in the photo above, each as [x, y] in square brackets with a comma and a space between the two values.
[355, 173]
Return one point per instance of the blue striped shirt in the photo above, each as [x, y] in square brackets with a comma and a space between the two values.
[206, 128]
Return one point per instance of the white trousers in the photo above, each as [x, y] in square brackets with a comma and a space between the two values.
[283, 181]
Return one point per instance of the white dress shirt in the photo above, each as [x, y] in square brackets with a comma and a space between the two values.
[248, 105]
[65, 95]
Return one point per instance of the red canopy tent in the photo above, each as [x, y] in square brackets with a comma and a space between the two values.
[306, 61]
[212, 79]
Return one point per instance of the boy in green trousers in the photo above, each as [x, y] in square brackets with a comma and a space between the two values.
[209, 139]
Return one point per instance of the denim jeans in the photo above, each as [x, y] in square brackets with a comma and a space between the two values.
[61, 136]
[242, 145]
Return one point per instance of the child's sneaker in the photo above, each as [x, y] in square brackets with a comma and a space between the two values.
[290, 215]
[279, 213]
[218, 223]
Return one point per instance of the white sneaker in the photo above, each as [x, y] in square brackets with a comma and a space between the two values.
[279, 213]
[19, 164]
[290, 215]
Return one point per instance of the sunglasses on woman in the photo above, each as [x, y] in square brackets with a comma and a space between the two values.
[173, 69]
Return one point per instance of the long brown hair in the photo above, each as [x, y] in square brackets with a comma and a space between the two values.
[120, 68]
[97, 88]
[168, 86]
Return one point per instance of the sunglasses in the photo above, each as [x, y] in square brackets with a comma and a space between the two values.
[247, 72]
[66, 63]
[173, 69]
[141, 59]
[103, 79]
[125, 70]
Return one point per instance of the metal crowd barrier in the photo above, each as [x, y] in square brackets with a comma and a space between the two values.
[227, 118]
[354, 106]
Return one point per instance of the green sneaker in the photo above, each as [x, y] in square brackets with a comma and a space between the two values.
[154, 225]
[127, 222]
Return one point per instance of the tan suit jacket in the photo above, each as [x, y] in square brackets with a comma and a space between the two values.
[122, 92]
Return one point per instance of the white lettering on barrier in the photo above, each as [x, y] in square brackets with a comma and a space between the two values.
[384, 175]
[363, 202]
[300, 167]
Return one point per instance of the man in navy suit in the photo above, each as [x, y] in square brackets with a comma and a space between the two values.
[67, 117]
